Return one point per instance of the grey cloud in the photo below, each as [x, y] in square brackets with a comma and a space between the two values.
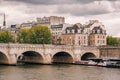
[116, 5]
[47, 2]
[73, 7]
[1, 13]
[88, 9]
[40, 9]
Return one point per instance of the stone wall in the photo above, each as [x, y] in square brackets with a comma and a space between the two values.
[110, 52]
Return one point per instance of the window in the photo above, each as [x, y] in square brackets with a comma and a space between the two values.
[73, 31]
[98, 41]
[84, 37]
[79, 31]
[84, 42]
[79, 42]
[68, 31]
[103, 41]
[93, 31]
[103, 37]
[98, 31]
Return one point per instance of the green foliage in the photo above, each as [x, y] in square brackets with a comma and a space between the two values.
[6, 37]
[40, 35]
[112, 41]
[35, 35]
[23, 36]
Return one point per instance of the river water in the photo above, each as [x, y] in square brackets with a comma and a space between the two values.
[58, 72]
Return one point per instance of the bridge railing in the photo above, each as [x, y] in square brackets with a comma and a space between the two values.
[109, 47]
[4, 45]
[53, 46]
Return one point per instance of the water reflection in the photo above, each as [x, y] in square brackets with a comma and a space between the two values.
[58, 72]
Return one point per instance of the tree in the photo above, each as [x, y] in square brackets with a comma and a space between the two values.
[23, 36]
[112, 41]
[40, 35]
[6, 37]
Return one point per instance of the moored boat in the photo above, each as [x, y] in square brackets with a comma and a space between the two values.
[113, 63]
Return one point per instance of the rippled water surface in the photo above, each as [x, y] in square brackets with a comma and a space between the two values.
[58, 72]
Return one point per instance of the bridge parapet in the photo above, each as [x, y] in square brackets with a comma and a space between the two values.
[109, 47]
[3, 45]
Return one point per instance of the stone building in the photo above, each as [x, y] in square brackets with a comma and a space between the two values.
[90, 34]
[75, 36]
[57, 31]
[52, 20]
[97, 37]
[96, 32]
[27, 25]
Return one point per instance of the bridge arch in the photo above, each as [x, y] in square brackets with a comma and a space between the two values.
[88, 55]
[3, 58]
[62, 57]
[30, 57]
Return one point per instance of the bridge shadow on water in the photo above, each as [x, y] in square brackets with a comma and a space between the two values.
[55, 64]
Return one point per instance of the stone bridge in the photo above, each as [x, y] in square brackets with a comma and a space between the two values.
[45, 54]
[110, 52]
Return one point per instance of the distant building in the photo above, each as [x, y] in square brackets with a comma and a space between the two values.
[97, 37]
[92, 34]
[97, 33]
[53, 20]
[14, 30]
[27, 25]
[75, 36]
[3, 27]
[57, 31]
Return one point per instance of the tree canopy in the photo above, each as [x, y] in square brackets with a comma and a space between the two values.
[35, 35]
[6, 37]
[23, 36]
[112, 41]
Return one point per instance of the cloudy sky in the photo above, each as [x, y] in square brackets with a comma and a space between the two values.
[74, 11]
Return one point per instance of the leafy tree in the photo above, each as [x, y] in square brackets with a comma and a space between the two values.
[6, 37]
[23, 36]
[35, 35]
[112, 41]
[40, 35]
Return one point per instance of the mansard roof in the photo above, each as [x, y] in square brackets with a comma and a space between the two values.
[75, 27]
[98, 30]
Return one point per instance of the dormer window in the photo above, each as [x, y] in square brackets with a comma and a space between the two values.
[79, 31]
[73, 31]
[98, 31]
[93, 31]
[103, 32]
[68, 31]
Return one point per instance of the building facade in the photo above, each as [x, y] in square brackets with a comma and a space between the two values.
[57, 31]
[53, 20]
[90, 34]
[97, 37]
[75, 36]
[96, 32]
